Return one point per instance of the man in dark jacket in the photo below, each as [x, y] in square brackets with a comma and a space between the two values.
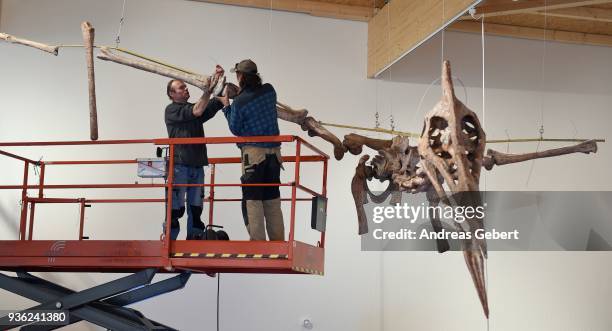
[185, 120]
[253, 113]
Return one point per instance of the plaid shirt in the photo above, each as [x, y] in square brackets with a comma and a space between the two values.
[253, 113]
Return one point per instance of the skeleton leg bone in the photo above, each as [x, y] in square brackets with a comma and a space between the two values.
[497, 158]
[289, 114]
[43, 47]
[359, 193]
[88, 40]
[160, 68]
[315, 129]
[355, 142]
[195, 80]
[433, 199]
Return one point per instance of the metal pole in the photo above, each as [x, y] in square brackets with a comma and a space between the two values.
[296, 179]
[211, 197]
[166, 247]
[526, 140]
[492, 141]
[31, 221]
[24, 202]
[41, 183]
[324, 193]
[82, 218]
[393, 132]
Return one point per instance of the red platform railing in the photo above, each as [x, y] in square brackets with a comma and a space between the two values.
[26, 222]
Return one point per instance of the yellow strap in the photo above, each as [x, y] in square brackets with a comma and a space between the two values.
[127, 51]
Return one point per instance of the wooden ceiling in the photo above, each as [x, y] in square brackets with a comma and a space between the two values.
[357, 10]
[564, 15]
[580, 22]
[396, 27]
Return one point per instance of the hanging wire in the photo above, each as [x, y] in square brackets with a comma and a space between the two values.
[377, 87]
[484, 113]
[442, 39]
[118, 39]
[484, 117]
[575, 129]
[508, 138]
[270, 31]
[391, 121]
[376, 115]
[138, 55]
[381, 264]
[482, 42]
[543, 72]
[435, 81]
[542, 79]
[532, 164]
[218, 295]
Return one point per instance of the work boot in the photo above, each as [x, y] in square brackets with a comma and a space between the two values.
[175, 228]
[197, 228]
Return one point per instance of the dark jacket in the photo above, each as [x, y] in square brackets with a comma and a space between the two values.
[181, 123]
[253, 113]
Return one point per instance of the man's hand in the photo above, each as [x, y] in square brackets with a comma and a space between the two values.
[200, 106]
[219, 71]
[207, 86]
[224, 99]
[217, 81]
[231, 90]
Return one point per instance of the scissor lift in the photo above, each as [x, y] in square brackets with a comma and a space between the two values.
[103, 304]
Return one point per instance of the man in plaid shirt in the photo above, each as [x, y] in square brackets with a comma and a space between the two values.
[253, 113]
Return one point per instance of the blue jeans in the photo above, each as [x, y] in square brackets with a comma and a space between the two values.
[192, 195]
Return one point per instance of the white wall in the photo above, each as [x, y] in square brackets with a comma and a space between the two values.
[318, 64]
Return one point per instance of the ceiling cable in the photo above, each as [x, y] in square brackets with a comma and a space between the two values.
[118, 39]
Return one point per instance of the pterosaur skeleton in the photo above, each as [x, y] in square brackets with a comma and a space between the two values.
[446, 160]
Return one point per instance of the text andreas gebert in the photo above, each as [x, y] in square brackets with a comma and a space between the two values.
[412, 215]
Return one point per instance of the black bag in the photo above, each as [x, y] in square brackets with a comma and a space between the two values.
[211, 234]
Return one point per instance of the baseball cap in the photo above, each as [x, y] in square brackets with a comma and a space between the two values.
[245, 66]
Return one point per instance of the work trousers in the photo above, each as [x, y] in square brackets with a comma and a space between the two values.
[193, 196]
[261, 205]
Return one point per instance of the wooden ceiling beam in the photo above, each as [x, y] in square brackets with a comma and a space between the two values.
[581, 13]
[506, 7]
[533, 33]
[402, 25]
[379, 3]
[314, 8]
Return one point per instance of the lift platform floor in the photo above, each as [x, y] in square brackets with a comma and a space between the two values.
[198, 256]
